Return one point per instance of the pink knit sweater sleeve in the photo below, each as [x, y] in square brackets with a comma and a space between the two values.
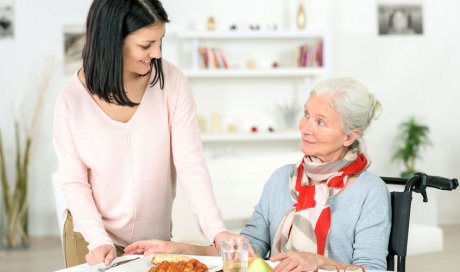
[192, 171]
[73, 178]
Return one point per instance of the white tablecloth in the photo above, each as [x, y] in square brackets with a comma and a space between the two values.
[143, 264]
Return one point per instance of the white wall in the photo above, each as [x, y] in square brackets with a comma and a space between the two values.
[410, 75]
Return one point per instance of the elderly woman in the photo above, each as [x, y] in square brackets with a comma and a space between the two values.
[327, 209]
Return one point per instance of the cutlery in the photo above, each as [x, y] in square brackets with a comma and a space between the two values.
[103, 269]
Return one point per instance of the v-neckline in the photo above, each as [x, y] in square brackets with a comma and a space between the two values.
[103, 113]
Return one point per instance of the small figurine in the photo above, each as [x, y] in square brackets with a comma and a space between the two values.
[271, 129]
[233, 27]
[254, 129]
[254, 27]
[272, 27]
[250, 64]
[211, 25]
[231, 127]
[275, 64]
[201, 123]
[215, 122]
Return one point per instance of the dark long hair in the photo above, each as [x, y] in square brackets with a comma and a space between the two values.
[108, 23]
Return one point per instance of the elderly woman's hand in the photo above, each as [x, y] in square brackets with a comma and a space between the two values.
[296, 261]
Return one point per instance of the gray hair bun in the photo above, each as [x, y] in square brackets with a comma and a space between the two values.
[356, 106]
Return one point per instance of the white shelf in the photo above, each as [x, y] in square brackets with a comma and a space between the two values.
[274, 72]
[252, 34]
[200, 38]
[249, 136]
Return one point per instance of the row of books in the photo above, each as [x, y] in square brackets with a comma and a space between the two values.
[310, 55]
[306, 55]
[212, 58]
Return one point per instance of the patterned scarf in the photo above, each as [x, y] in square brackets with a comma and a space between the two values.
[305, 227]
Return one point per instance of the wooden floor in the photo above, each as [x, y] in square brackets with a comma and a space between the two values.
[45, 254]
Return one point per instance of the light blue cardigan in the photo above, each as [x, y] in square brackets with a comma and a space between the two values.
[360, 219]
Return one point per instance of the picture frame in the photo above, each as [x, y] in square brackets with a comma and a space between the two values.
[400, 18]
[74, 40]
[6, 19]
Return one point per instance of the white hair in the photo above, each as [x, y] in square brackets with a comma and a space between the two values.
[356, 106]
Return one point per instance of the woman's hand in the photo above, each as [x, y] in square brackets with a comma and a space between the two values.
[148, 247]
[103, 253]
[296, 261]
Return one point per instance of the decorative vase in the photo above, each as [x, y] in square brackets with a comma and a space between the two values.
[301, 17]
[15, 205]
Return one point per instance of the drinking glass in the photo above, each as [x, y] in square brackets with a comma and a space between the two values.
[234, 255]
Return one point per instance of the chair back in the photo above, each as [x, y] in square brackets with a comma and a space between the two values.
[401, 205]
[399, 234]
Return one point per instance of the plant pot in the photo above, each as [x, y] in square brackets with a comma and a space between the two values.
[407, 174]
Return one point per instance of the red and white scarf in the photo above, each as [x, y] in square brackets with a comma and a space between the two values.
[305, 227]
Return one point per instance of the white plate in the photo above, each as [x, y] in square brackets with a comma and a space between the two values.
[272, 264]
[143, 264]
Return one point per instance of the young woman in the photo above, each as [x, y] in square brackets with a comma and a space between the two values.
[124, 131]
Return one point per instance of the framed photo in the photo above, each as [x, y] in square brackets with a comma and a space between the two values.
[6, 19]
[74, 40]
[400, 18]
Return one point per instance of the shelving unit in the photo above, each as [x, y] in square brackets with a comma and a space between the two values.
[234, 73]
[250, 137]
[252, 34]
[257, 91]
[264, 38]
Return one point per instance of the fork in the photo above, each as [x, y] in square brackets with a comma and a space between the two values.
[103, 269]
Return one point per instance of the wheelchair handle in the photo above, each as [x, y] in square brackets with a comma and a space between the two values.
[430, 181]
[419, 181]
[441, 183]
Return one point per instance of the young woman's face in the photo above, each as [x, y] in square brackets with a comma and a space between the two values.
[321, 131]
[140, 47]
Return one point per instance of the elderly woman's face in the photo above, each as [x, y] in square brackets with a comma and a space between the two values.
[321, 131]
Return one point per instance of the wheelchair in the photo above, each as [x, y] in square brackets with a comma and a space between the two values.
[401, 205]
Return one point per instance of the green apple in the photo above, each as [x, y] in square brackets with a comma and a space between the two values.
[259, 265]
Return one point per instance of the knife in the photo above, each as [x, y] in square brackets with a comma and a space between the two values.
[103, 269]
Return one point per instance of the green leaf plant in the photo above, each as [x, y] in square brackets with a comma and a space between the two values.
[412, 137]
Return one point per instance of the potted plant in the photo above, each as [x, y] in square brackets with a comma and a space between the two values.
[412, 137]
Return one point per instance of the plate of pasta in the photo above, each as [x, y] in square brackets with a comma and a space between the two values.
[171, 262]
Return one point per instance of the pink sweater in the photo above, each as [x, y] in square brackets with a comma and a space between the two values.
[119, 179]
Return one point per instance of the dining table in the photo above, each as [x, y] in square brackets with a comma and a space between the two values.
[141, 263]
